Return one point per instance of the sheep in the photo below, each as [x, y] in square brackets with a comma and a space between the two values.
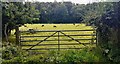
[73, 23]
[54, 26]
[32, 31]
[42, 26]
[25, 26]
[77, 25]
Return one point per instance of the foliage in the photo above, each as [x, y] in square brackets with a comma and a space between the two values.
[59, 12]
[15, 13]
[108, 29]
[69, 56]
[84, 55]
[9, 52]
[67, 12]
[94, 12]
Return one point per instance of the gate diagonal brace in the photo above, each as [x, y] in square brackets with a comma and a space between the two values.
[72, 38]
[42, 40]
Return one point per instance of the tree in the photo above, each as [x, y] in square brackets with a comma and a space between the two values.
[17, 13]
[93, 12]
[109, 31]
[77, 13]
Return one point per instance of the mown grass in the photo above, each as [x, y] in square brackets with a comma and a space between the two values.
[58, 27]
[50, 27]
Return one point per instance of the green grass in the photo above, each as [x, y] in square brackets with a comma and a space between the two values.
[50, 27]
[58, 27]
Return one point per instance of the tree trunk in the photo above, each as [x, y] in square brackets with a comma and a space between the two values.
[6, 35]
[17, 35]
[9, 32]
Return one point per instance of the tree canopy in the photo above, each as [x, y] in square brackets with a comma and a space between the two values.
[16, 13]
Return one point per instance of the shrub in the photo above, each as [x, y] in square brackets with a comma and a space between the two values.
[69, 56]
[8, 52]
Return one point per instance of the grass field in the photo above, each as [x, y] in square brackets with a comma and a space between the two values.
[55, 39]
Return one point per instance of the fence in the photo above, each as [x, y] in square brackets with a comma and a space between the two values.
[20, 39]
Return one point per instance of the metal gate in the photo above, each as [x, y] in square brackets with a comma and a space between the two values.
[26, 36]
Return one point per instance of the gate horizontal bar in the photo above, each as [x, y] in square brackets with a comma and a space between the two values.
[59, 35]
[59, 30]
[50, 48]
[57, 44]
[54, 40]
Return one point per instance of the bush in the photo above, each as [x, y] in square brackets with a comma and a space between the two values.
[69, 56]
[8, 52]
[79, 56]
[84, 55]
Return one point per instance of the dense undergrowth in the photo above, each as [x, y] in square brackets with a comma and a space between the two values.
[13, 55]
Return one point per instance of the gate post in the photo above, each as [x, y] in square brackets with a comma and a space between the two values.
[17, 35]
[97, 36]
[58, 41]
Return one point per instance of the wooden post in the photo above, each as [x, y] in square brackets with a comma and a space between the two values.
[6, 35]
[58, 42]
[97, 37]
[93, 38]
[17, 35]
